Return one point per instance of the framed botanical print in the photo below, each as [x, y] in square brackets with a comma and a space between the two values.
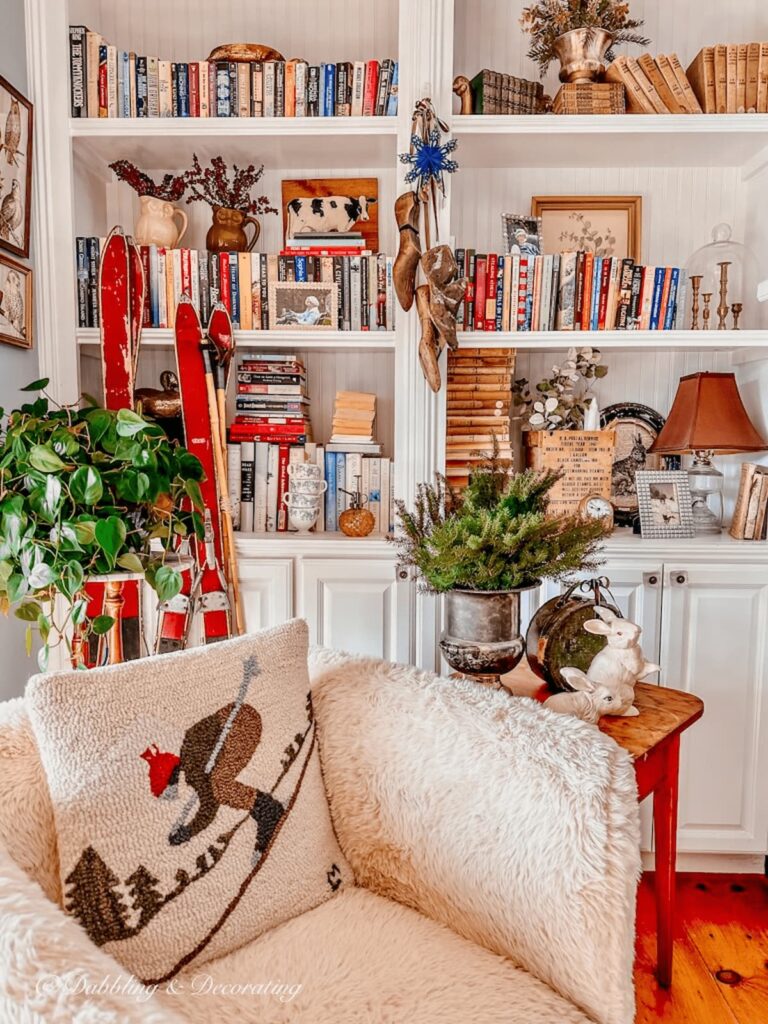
[604, 225]
[15, 303]
[15, 169]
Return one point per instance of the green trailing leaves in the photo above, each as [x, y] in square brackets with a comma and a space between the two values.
[102, 624]
[37, 385]
[110, 534]
[44, 459]
[86, 485]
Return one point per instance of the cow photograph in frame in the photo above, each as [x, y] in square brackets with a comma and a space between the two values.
[608, 226]
[15, 169]
[329, 207]
[15, 303]
[302, 305]
[664, 503]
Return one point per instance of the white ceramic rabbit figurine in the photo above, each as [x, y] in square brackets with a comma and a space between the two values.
[621, 662]
[623, 695]
[590, 701]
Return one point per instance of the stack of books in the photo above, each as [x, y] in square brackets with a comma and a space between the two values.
[478, 398]
[590, 98]
[354, 413]
[494, 93]
[258, 479]
[272, 402]
[654, 86]
[731, 79]
[750, 516]
[360, 283]
[107, 82]
[569, 291]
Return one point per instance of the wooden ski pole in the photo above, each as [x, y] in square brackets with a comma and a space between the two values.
[221, 481]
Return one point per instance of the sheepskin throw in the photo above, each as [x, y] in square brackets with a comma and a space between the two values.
[188, 798]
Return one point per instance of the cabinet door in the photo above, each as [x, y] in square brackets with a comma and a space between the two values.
[714, 632]
[356, 606]
[266, 588]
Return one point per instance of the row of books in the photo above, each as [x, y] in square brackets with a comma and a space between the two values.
[271, 399]
[355, 293]
[654, 86]
[569, 291]
[496, 93]
[258, 479]
[107, 82]
[731, 79]
[750, 515]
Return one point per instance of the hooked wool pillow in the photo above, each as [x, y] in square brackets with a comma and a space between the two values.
[188, 798]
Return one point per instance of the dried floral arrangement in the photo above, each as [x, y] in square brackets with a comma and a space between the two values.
[213, 185]
[171, 188]
[560, 401]
[546, 20]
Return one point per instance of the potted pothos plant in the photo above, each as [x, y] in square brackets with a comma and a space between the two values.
[482, 548]
[581, 34]
[83, 492]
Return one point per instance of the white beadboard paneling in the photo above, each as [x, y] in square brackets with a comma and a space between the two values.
[680, 204]
[187, 30]
[488, 33]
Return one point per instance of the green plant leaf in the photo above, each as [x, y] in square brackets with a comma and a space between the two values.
[52, 498]
[71, 579]
[42, 658]
[110, 534]
[28, 612]
[42, 575]
[37, 385]
[99, 422]
[131, 562]
[28, 640]
[17, 588]
[85, 530]
[192, 488]
[79, 609]
[129, 423]
[45, 459]
[86, 485]
[44, 627]
[133, 486]
[102, 624]
[167, 582]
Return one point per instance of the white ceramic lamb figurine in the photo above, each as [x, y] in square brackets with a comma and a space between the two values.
[589, 702]
[621, 662]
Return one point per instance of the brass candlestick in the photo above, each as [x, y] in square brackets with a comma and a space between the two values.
[707, 296]
[722, 309]
[695, 286]
[736, 309]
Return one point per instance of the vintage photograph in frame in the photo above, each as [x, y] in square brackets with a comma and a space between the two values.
[15, 303]
[606, 225]
[521, 235]
[15, 169]
[331, 205]
[664, 503]
[302, 305]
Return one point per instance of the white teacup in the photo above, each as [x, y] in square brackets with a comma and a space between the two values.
[304, 471]
[301, 500]
[302, 519]
[309, 485]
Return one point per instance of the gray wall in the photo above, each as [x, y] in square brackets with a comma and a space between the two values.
[17, 366]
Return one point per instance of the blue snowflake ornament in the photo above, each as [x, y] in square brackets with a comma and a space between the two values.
[429, 160]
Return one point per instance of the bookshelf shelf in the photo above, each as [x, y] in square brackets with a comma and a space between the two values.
[283, 545]
[619, 341]
[629, 140]
[325, 341]
[293, 142]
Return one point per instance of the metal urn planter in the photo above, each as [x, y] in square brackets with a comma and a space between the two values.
[482, 637]
[581, 53]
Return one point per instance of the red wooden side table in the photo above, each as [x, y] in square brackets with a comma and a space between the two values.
[653, 741]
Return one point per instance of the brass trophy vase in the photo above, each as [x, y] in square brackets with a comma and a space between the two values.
[581, 53]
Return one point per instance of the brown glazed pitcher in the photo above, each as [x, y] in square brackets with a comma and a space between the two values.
[227, 233]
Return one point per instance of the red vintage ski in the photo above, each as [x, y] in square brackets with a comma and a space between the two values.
[209, 588]
[121, 301]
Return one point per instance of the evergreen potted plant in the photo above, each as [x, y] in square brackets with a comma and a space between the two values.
[482, 549]
[580, 34]
[84, 492]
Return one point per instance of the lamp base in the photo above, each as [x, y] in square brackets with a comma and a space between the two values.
[705, 482]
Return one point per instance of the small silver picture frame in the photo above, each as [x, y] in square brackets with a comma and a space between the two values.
[521, 234]
[664, 503]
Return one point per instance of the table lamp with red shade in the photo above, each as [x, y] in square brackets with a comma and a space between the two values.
[707, 418]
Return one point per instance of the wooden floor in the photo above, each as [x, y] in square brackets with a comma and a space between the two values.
[721, 952]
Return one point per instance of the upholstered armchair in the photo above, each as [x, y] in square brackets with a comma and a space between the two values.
[495, 851]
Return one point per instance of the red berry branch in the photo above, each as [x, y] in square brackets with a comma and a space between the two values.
[214, 186]
[171, 188]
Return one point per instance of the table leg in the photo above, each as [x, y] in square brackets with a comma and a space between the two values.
[665, 831]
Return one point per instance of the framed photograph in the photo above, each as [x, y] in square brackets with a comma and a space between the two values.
[605, 225]
[664, 500]
[302, 305]
[330, 205]
[521, 234]
[636, 427]
[15, 303]
[15, 169]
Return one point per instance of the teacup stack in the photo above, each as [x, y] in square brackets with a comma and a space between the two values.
[305, 495]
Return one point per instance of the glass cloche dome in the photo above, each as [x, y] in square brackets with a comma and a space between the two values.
[728, 274]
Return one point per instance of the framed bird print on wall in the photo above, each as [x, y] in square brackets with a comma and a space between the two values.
[15, 169]
[15, 303]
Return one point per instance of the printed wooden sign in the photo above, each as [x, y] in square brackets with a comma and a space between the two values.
[585, 455]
